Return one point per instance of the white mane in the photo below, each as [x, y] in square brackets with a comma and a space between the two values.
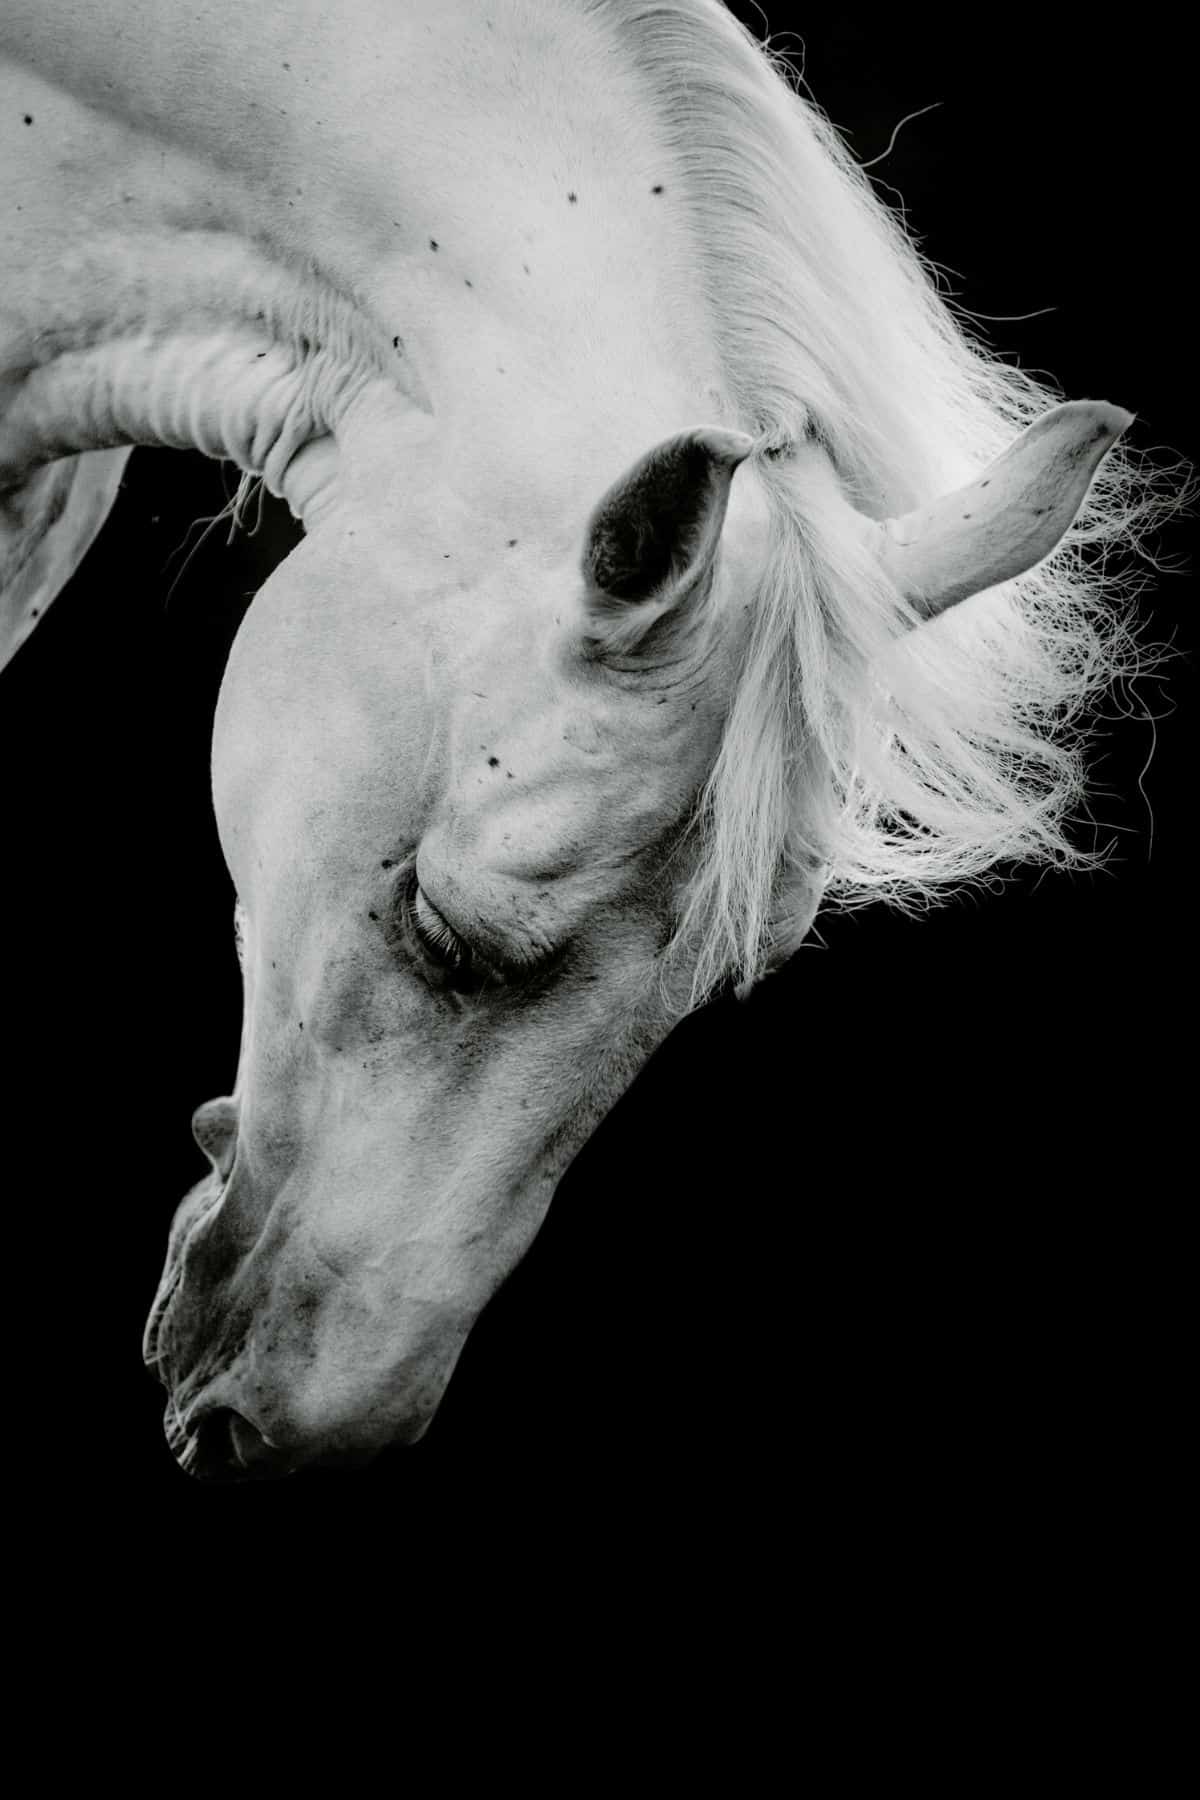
[862, 758]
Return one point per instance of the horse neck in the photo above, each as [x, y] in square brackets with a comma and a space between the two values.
[491, 190]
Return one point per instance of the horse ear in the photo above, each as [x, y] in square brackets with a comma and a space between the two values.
[652, 541]
[1006, 521]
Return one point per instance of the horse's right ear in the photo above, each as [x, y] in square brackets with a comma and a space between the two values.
[652, 542]
[1009, 518]
[48, 520]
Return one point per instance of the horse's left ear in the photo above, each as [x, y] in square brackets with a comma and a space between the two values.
[652, 541]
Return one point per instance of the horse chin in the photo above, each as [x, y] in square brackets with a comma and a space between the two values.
[221, 1446]
[212, 1441]
[261, 1377]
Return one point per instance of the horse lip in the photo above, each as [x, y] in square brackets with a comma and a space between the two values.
[173, 1275]
[162, 1300]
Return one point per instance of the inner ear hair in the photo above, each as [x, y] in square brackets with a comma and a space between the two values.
[671, 626]
[652, 543]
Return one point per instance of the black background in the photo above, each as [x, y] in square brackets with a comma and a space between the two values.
[882, 1264]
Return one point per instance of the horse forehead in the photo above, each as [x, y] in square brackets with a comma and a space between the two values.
[527, 710]
[566, 774]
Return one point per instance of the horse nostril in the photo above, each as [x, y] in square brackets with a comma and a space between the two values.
[228, 1448]
[251, 1449]
[214, 1127]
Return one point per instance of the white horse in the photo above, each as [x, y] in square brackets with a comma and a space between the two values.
[640, 466]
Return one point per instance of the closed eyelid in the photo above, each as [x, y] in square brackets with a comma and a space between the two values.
[433, 928]
[423, 920]
[511, 963]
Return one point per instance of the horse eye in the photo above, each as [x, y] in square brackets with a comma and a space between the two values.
[459, 966]
[439, 939]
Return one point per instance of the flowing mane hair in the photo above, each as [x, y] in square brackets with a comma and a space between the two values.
[864, 758]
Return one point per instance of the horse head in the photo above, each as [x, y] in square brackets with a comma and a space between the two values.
[452, 776]
[468, 731]
[456, 781]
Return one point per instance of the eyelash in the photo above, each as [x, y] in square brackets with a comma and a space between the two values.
[460, 967]
[442, 942]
